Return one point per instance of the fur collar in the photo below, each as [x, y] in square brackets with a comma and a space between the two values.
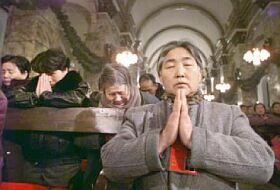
[69, 82]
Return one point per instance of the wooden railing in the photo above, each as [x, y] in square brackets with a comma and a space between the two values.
[92, 120]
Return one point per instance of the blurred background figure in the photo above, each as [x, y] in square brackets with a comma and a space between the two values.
[275, 109]
[244, 109]
[148, 84]
[250, 110]
[266, 125]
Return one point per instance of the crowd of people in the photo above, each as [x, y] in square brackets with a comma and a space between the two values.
[170, 137]
[267, 124]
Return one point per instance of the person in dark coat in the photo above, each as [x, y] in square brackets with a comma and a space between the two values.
[15, 73]
[266, 125]
[148, 83]
[275, 109]
[52, 158]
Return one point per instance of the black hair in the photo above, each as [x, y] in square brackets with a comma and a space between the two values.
[50, 61]
[243, 105]
[21, 62]
[147, 76]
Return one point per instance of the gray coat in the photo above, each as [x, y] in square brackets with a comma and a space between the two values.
[225, 149]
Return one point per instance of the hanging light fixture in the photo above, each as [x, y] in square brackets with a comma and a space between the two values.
[256, 56]
[209, 97]
[222, 86]
[126, 58]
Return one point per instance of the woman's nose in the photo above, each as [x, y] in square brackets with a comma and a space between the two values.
[118, 97]
[6, 75]
[180, 71]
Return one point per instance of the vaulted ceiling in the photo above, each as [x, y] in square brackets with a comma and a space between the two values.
[201, 22]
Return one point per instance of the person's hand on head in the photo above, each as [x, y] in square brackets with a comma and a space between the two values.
[185, 125]
[170, 133]
[43, 84]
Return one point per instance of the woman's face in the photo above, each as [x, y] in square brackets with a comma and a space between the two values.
[11, 72]
[180, 71]
[117, 95]
[260, 109]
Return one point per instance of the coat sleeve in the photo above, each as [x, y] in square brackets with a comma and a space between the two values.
[238, 155]
[72, 98]
[129, 155]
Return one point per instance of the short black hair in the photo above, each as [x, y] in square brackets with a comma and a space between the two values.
[243, 105]
[50, 61]
[147, 76]
[21, 62]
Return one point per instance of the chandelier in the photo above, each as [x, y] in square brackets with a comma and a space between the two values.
[256, 56]
[222, 86]
[209, 97]
[126, 58]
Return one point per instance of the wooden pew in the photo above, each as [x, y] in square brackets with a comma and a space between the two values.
[88, 120]
[72, 120]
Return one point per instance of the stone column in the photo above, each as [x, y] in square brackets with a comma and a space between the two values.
[30, 32]
[3, 23]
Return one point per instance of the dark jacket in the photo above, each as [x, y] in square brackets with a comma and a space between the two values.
[71, 91]
[3, 109]
[160, 91]
[9, 91]
[267, 126]
[54, 152]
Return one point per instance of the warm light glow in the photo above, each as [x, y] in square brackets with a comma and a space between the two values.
[223, 87]
[126, 58]
[256, 56]
[209, 97]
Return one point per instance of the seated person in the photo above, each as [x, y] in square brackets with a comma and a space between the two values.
[244, 109]
[15, 73]
[116, 90]
[184, 142]
[266, 125]
[51, 158]
[275, 109]
[148, 83]
[251, 110]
